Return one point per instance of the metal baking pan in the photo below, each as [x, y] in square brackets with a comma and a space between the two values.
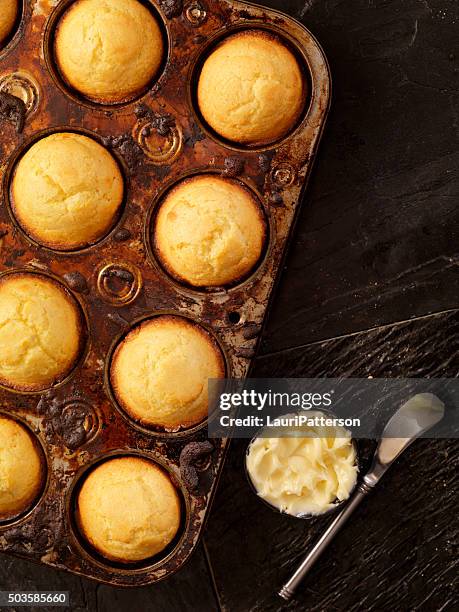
[157, 139]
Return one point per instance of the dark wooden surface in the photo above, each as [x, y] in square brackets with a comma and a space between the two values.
[376, 246]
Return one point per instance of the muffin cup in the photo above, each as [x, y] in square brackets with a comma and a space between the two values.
[16, 31]
[83, 333]
[277, 34]
[77, 96]
[181, 284]
[24, 515]
[151, 430]
[94, 556]
[9, 199]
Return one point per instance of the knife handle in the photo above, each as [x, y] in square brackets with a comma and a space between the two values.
[289, 588]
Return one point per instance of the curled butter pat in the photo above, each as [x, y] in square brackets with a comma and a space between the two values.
[306, 473]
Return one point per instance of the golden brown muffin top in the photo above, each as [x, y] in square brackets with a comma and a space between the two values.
[128, 509]
[160, 371]
[21, 468]
[210, 231]
[41, 331]
[67, 191]
[8, 14]
[108, 50]
[251, 88]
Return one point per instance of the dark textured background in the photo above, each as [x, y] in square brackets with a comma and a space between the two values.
[376, 246]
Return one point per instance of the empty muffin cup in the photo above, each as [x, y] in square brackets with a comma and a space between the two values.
[42, 331]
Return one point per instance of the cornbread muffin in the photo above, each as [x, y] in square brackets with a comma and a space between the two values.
[128, 509]
[108, 50]
[251, 88]
[160, 371]
[21, 469]
[209, 231]
[40, 331]
[67, 191]
[8, 14]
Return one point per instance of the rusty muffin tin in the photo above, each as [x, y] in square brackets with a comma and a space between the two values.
[158, 139]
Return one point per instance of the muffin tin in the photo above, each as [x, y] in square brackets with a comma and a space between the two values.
[158, 139]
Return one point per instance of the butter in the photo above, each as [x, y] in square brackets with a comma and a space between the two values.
[306, 474]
